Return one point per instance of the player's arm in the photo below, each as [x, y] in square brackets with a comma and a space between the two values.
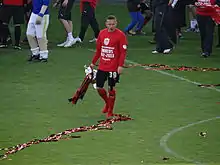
[44, 7]
[42, 11]
[98, 51]
[123, 52]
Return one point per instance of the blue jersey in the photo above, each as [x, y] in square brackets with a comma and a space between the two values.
[37, 4]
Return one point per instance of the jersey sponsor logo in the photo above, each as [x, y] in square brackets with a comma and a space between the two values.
[107, 53]
[108, 47]
[106, 41]
[203, 2]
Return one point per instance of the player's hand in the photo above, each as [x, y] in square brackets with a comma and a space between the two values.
[120, 68]
[64, 4]
[92, 66]
[38, 20]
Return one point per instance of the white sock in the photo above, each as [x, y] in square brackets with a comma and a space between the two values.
[70, 36]
[196, 23]
[44, 54]
[35, 51]
[193, 23]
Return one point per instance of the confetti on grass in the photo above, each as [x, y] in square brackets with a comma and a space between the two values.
[65, 135]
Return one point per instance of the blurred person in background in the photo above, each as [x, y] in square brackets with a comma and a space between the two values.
[206, 24]
[87, 8]
[65, 18]
[164, 27]
[137, 18]
[147, 14]
[37, 31]
[11, 9]
[179, 16]
[193, 24]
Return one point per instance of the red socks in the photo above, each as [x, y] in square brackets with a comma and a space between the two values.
[111, 102]
[102, 92]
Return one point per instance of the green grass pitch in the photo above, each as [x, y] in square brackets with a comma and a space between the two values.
[33, 104]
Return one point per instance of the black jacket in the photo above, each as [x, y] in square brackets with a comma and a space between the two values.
[144, 7]
[132, 5]
[156, 3]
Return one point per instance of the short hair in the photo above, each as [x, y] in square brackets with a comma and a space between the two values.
[111, 17]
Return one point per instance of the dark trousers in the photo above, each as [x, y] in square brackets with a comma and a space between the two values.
[88, 18]
[206, 28]
[179, 15]
[4, 33]
[153, 20]
[165, 31]
[8, 12]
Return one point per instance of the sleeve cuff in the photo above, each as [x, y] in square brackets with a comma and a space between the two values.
[40, 14]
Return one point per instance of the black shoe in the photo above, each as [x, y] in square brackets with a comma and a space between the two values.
[43, 60]
[205, 54]
[34, 58]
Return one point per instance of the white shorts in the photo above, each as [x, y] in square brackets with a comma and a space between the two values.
[39, 31]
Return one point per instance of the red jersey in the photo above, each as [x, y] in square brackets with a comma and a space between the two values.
[93, 3]
[13, 2]
[202, 10]
[111, 49]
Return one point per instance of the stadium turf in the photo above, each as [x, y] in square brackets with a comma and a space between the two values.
[168, 108]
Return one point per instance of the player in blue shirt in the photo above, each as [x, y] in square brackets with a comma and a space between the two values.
[37, 30]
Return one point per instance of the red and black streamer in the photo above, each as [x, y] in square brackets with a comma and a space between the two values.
[175, 68]
[209, 85]
[167, 67]
[81, 91]
[65, 135]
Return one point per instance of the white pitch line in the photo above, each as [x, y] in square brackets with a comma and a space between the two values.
[173, 75]
[166, 137]
[168, 74]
